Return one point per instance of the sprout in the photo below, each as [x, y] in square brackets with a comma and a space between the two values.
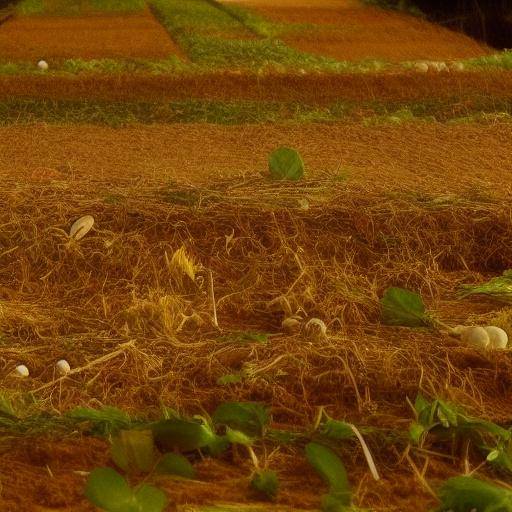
[81, 227]
[22, 371]
[316, 328]
[292, 324]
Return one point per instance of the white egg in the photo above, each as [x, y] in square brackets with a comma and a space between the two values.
[316, 328]
[62, 367]
[81, 227]
[498, 337]
[292, 324]
[42, 65]
[476, 337]
[22, 371]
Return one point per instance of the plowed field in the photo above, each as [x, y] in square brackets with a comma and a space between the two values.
[89, 37]
[347, 32]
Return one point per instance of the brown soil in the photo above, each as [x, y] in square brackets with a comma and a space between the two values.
[356, 33]
[425, 206]
[426, 157]
[88, 37]
[460, 89]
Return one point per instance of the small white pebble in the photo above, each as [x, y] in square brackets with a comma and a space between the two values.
[422, 67]
[62, 367]
[22, 371]
[42, 65]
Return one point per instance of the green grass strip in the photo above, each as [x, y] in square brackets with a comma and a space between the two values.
[77, 7]
[116, 114]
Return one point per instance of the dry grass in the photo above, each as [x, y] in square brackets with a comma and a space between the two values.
[120, 284]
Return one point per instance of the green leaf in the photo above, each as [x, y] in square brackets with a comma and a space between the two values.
[107, 489]
[218, 446]
[245, 337]
[231, 378]
[175, 464]
[183, 435]
[331, 469]
[464, 493]
[266, 483]
[493, 455]
[335, 429]
[150, 499]
[335, 503]
[104, 421]
[447, 414]
[251, 418]
[497, 287]
[420, 404]
[286, 164]
[237, 437]
[134, 451]
[404, 308]
[416, 432]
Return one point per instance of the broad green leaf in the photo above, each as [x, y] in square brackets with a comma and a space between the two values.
[218, 446]
[175, 464]
[331, 469]
[286, 164]
[447, 414]
[266, 483]
[464, 493]
[231, 378]
[237, 437]
[108, 490]
[150, 499]
[134, 451]
[416, 432]
[404, 308]
[251, 418]
[183, 435]
[104, 421]
[335, 429]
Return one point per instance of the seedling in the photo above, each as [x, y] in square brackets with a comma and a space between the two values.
[286, 164]
[109, 491]
[266, 483]
[250, 418]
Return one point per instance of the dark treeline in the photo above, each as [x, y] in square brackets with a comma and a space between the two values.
[487, 20]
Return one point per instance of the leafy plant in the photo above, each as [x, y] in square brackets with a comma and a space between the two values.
[405, 308]
[250, 418]
[498, 287]
[104, 421]
[134, 451]
[266, 483]
[109, 491]
[329, 466]
[245, 337]
[183, 435]
[445, 420]
[464, 494]
[286, 164]
[175, 464]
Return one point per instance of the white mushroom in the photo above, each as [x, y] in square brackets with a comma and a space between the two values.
[42, 65]
[22, 371]
[476, 337]
[498, 337]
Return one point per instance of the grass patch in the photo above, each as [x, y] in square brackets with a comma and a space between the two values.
[76, 7]
[237, 112]
[219, 36]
